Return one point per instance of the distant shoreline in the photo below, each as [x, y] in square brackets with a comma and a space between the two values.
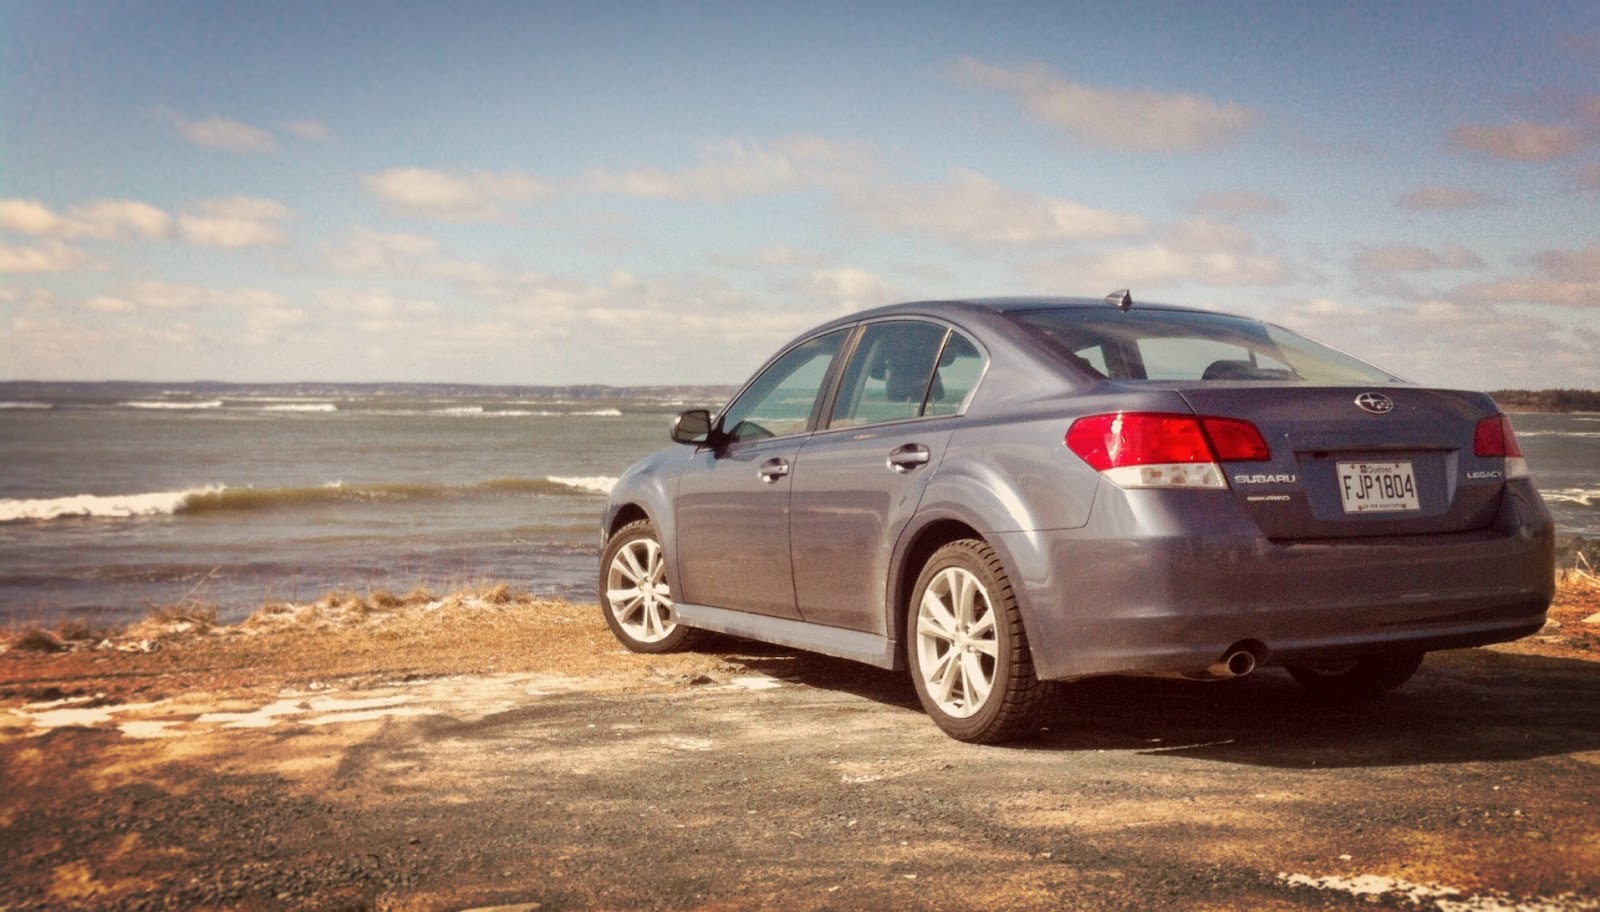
[1548, 400]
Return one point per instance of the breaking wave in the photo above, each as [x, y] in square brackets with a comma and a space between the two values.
[116, 506]
[1583, 497]
[301, 407]
[220, 499]
[161, 404]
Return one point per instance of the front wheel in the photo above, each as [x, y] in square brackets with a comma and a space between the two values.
[634, 592]
[1366, 678]
[969, 657]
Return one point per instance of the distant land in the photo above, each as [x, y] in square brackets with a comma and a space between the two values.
[105, 392]
[1551, 400]
[101, 392]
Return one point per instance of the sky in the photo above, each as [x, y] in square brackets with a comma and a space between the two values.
[661, 193]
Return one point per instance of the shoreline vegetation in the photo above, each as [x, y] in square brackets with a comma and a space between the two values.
[1547, 400]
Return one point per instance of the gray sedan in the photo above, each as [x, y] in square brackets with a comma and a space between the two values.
[999, 494]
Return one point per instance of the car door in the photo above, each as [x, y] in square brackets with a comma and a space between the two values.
[857, 483]
[732, 506]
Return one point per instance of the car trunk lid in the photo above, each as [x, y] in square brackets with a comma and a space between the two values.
[1350, 461]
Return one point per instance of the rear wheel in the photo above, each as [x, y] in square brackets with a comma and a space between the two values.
[969, 656]
[634, 592]
[1366, 678]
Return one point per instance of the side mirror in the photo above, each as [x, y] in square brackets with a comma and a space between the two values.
[693, 427]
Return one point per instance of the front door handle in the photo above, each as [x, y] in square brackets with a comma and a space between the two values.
[904, 459]
[773, 469]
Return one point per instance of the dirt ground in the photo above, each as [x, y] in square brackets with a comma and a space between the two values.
[505, 752]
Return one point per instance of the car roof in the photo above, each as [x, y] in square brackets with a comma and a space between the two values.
[996, 305]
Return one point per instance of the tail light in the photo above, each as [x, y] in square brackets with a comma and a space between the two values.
[1494, 439]
[1155, 450]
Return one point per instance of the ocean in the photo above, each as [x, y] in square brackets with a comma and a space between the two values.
[116, 498]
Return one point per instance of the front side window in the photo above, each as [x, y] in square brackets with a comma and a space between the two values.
[905, 369]
[1189, 345]
[780, 401]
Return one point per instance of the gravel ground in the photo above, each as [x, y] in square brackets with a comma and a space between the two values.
[504, 752]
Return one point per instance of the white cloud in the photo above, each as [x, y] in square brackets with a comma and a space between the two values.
[109, 219]
[1519, 141]
[770, 257]
[264, 318]
[49, 255]
[1412, 258]
[971, 208]
[235, 222]
[402, 255]
[477, 196]
[1445, 199]
[152, 295]
[1453, 343]
[850, 287]
[1564, 278]
[367, 252]
[221, 133]
[30, 297]
[1136, 120]
[735, 170]
[1240, 202]
[378, 310]
[1197, 251]
[28, 217]
[309, 130]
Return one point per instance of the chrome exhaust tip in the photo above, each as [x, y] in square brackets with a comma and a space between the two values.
[1235, 664]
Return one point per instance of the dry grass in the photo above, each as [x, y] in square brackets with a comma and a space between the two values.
[343, 636]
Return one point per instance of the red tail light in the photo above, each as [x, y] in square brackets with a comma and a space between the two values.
[1494, 437]
[1151, 449]
[1235, 440]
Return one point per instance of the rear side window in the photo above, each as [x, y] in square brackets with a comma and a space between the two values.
[960, 367]
[1191, 346]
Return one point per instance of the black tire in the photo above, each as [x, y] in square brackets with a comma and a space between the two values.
[969, 656]
[634, 593]
[1366, 678]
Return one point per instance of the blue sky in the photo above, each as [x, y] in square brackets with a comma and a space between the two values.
[641, 193]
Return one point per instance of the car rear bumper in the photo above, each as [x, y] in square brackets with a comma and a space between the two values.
[1121, 604]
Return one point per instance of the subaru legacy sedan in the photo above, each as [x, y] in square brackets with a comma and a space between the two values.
[999, 494]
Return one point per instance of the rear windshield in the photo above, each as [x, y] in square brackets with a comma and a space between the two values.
[1184, 345]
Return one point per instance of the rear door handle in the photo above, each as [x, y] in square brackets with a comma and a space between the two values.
[904, 459]
[773, 469]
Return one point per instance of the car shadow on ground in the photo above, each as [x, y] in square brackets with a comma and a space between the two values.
[1464, 706]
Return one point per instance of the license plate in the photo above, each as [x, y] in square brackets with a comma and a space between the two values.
[1378, 487]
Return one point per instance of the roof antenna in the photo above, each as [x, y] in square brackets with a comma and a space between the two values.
[1121, 300]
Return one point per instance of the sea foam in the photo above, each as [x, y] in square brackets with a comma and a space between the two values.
[301, 407]
[114, 506]
[220, 498]
[159, 404]
[598, 484]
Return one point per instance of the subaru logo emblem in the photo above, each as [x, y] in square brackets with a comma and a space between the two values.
[1376, 403]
